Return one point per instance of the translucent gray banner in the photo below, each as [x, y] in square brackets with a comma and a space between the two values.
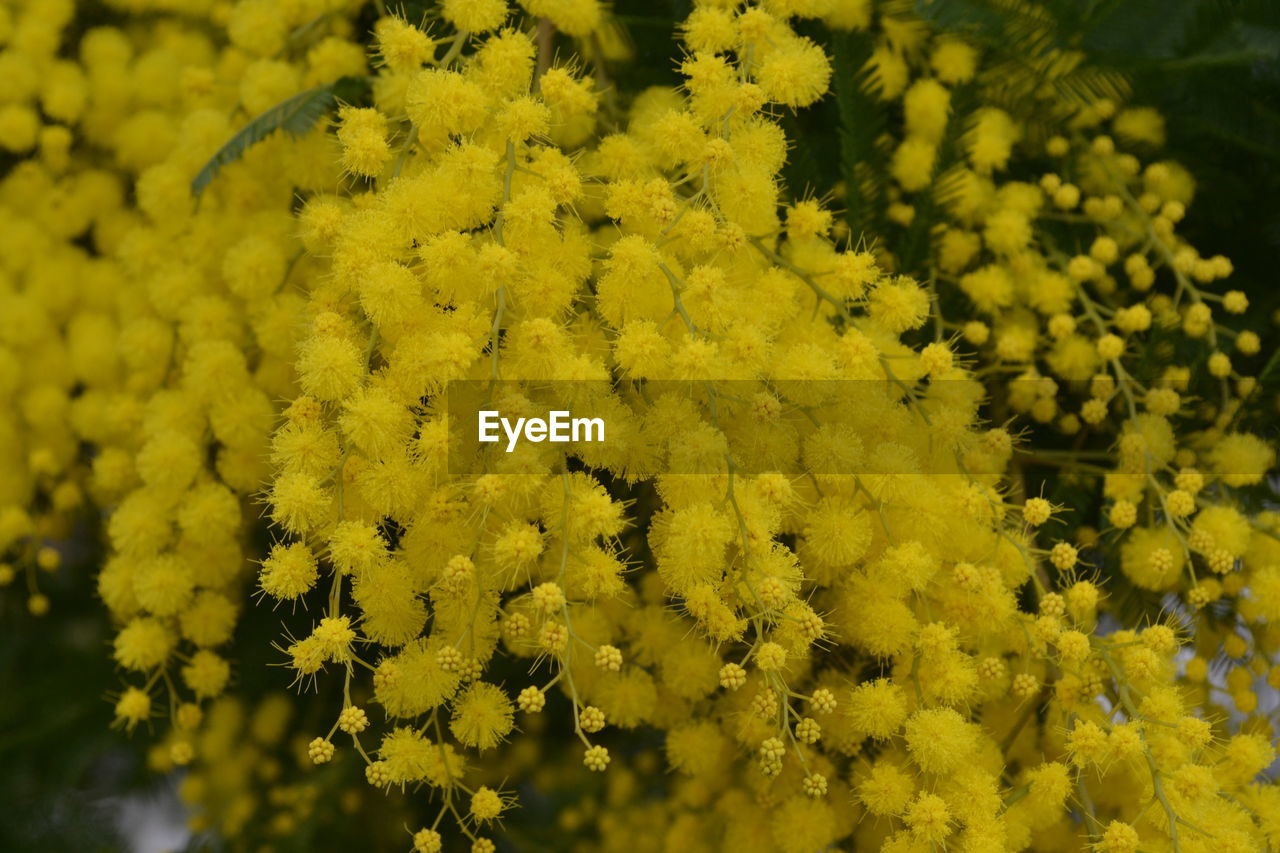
[794, 427]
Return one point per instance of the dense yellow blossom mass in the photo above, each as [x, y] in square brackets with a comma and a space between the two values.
[829, 617]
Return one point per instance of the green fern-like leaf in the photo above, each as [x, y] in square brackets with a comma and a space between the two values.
[975, 18]
[295, 115]
[1090, 84]
[863, 122]
[1016, 26]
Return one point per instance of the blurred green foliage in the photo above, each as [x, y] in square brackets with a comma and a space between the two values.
[60, 763]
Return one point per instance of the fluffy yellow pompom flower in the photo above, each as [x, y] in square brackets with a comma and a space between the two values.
[289, 571]
[877, 708]
[363, 134]
[474, 16]
[954, 61]
[442, 103]
[482, 716]
[795, 74]
[886, 789]
[939, 740]
[486, 804]
[206, 674]
[330, 366]
[898, 305]
[143, 644]
[356, 547]
[403, 46]
[928, 818]
[1119, 837]
[1241, 459]
[133, 707]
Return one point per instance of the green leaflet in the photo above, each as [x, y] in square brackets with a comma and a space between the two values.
[295, 115]
[1090, 84]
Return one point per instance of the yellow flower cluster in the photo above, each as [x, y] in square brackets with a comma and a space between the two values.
[843, 612]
